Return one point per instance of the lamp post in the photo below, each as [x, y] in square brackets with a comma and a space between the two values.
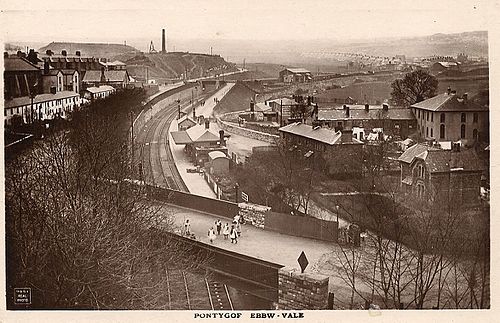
[337, 207]
[236, 187]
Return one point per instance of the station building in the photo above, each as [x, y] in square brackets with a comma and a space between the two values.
[199, 141]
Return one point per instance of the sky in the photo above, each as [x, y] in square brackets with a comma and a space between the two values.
[117, 21]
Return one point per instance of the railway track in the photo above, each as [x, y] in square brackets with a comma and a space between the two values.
[156, 158]
[220, 300]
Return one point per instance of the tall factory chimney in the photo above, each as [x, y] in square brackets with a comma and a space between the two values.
[163, 42]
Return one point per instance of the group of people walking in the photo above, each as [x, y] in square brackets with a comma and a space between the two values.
[233, 232]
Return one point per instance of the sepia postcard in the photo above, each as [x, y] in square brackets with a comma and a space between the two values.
[317, 161]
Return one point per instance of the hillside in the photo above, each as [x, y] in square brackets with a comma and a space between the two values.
[101, 50]
[175, 65]
[471, 43]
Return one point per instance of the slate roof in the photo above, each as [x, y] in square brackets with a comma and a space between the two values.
[260, 107]
[444, 102]
[186, 119]
[198, 133]
[111, 76]
[18, 64]
[102, 88]
[52, 72]
[181, 137]
[25, 100]
[297, 70]
[68, 71]
[358, 113]
[323, 135]
[438, 160]
[284, 101]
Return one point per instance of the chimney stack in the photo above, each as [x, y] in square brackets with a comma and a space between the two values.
[347, 113]
[46, 68]
[448, 90]
[385, 107]
[49, 52]
[194, 114]
[252, 106]
[367, 107]
[78, 53]
[221, 138]
[5, 55]
[163, 42]
[346, 136]
[64, 52]
[207, 124]
[465, 96]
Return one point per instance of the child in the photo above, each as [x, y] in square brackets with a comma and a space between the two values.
[233, 235]
[211, 235]
[225, 231]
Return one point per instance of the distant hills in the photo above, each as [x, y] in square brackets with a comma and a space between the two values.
[473, 43]
[90, 49]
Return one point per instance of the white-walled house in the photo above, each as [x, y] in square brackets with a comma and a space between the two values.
[46, 106]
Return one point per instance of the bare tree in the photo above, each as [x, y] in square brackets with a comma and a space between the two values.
[414, 87]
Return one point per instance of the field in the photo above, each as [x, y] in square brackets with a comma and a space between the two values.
[377, 91]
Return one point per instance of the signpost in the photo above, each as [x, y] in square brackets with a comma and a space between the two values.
[244, 196]
[303, 262]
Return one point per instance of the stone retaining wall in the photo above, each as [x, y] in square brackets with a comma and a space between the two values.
[226, 126]
[253, 214]
[297, 291]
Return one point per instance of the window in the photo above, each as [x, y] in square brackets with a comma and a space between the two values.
[419, 114]
[432, 117]
[421, 190]
[462, 131]
[463, 117]
[432, 135]
[427, 131]
[474, 117]
[474, 134]
[441, 132]
[427, 115]
[442, 118]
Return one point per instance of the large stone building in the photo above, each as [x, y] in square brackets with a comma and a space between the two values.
[395, 121]
[450, 117]
[338, 150]
[429, 173]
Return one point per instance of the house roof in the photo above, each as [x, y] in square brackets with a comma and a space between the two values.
[186, 119]
[358, 113]
[447, 64]
[18, 64]
[68, 71]
[452, 102]
[438, 160]
[260, 107]
[297, 70]
[199, 133]
[111, 76]
[323, 135]
[102, 88]
[284, 101]
[181, 137]
[53, 72]
[216, 154]
[25, 100]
